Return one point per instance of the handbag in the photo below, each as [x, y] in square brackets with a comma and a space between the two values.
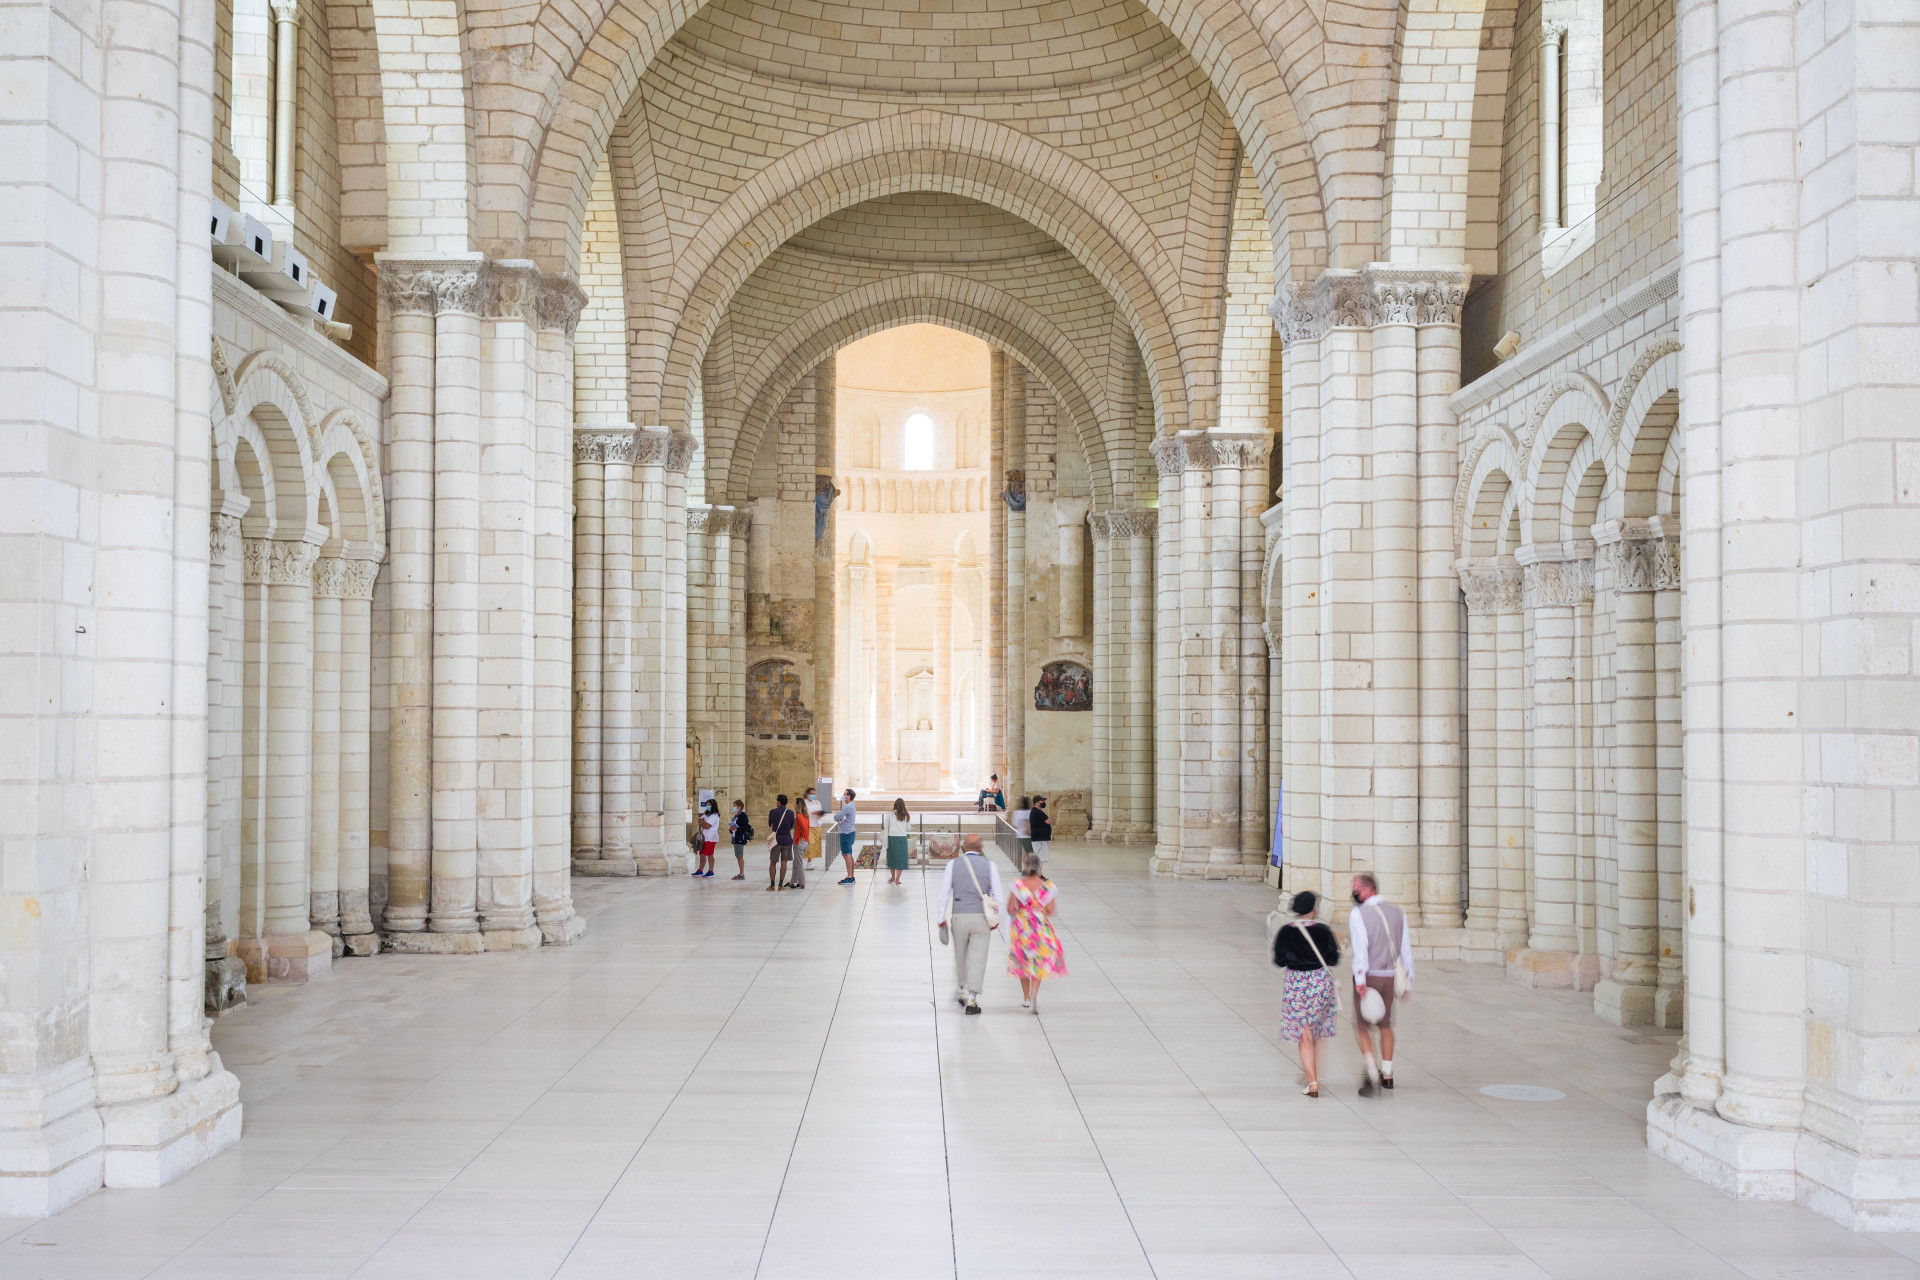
[989, 906]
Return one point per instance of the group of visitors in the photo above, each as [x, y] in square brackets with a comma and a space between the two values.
[971, 912]
[1382, 968]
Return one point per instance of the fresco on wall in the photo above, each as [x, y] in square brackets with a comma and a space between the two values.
[1064, 686]
[774, 708]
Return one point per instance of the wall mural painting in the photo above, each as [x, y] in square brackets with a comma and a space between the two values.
[1064, 686]
[774, 708]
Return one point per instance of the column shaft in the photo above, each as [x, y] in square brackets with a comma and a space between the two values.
[588, 585]
[324, 857]
[454, 895]
[356, 724]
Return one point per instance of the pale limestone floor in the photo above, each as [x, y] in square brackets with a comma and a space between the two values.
[726, 1082]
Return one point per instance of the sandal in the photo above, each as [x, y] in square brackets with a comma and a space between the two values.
[1313, 1089]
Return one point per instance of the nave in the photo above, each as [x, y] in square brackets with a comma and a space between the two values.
[718, 1082]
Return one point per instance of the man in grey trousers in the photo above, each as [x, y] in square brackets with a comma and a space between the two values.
[970, 878]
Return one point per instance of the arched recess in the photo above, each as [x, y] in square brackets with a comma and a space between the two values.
[1494, 451]
[1308, 102]
[273, 400]
[1571, 413]
[1641, 427]
[959, 303]
[928, 151]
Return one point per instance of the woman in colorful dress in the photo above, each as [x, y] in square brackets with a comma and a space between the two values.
[1306, 949]
[1033, 948]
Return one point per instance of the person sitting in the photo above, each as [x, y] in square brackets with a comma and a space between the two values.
[991, 794]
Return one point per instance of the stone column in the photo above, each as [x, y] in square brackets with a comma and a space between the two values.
[826, 734]
[855, 729]
[1168, 700]
[589, 467]
[1513, 834]
[1014, 497]
[1669, 1000]
[943, 718]
[994, 625]
[283, 947]
[1256, 823]
[557, 313]
[1638, 558]
[889, 741]
[1133, 533]
[324, 856]
[649, 678]
[356, 582]
[700, 667]
[618, 762]
[1104, 691]
[1436, 304]
[675, 811]
[226, 624]
[1558, 581]
[737, 679]
[1492, 590]
[410, 296]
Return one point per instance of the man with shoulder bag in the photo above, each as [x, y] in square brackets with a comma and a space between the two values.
[969, 913]
[1382, 971]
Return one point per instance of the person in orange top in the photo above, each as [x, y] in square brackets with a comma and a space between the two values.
[802, 842]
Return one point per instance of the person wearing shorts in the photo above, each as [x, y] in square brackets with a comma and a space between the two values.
[845, 819]
[739, 831]
[709, 838]
[779, 843]
[1378, 933]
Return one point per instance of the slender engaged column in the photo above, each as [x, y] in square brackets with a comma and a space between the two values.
[618, 758]
[324, 858]
[883, 570]
[1137, 528]
[226, 974]
[1437, 342]
[1256, 824]
[1168, 690]
[356, 726]
[943, 718]
[1104, 692]
[1492, 590]
[1019, 688]
[589, 464]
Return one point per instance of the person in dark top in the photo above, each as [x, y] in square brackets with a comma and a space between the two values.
[780, 824]
[740, 830]
[1307, 950]
[1041, 826]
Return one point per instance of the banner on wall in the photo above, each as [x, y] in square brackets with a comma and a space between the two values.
[1279, 819]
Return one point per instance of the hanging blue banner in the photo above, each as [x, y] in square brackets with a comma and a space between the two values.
[1279, 818]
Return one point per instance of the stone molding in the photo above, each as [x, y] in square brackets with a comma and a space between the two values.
[280, 564]
[1550, 584]
[1491, 587]
[1642, 554]
[510, 288]
[335, 578]
[1381, 294]
[603, 444]
[223, 538]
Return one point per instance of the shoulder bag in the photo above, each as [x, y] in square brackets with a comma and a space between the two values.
[989, 905]
[1399, 971]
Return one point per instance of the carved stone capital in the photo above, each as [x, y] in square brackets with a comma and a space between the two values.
[1133, 523]
[1381, 294]
[1240, 449]
[357, 578]
[649, 446]
[1199, 451]
[1562, 584]
[223, 541]
[560, 304]
[280, 564]
[285, 10]
[702, 519]
[1097, 523]
[1491, 586]
[511, 290]
[1168, 456]
[742, 522]
[1641, 554]
[603, 444]
[433, 285]
[328, 575]
[680, 450]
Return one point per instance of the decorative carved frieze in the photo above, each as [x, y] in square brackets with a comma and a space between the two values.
[1346, 299]
[1558, 583]
[603, 444]
[1491, 588]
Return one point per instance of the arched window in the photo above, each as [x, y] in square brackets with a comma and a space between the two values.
[916, 453]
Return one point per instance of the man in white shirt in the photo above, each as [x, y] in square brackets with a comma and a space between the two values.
[969, 880]
[1377, 933]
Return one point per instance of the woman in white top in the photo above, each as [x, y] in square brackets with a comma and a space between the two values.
[1022, 821]
[709, 838]
[896, 824]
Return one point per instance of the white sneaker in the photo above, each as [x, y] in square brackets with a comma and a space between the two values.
[1026, 1004]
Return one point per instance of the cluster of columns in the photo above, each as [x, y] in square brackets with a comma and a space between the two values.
[288, 731]
[1371, 624]
[1123, 704]
[716, 651]
[630, 659]
[478, 603]
[1211, 765]
[1573, 766]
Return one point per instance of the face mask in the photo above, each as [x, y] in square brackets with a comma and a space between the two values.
[1357, 899]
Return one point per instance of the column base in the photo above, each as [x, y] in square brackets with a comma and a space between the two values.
[226, 985]
[286, 957]
[1624, 1004]
[1554, 970]
[604, 866]
[151, 1142]
[561, 933]
[49, 1141]
[1670, 1008]
[527, 939]
[435, 944]
[362, 944]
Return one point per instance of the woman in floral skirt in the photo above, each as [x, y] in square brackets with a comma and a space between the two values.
[1306, 949]
[1033, 948]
